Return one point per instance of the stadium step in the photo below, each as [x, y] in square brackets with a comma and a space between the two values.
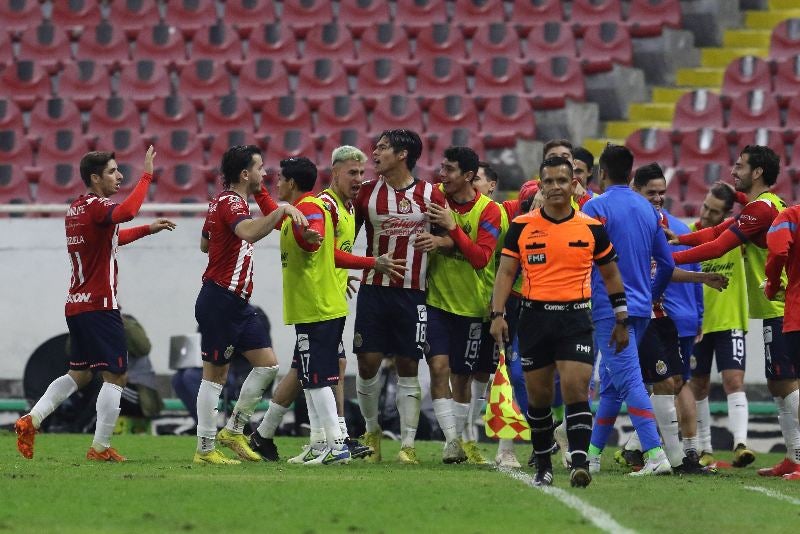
[778, 5]
[671, 95]
[721, 57]
[622, 129]
[596, 146]
[746, 38]
[766, 20]
[651, 111]
[700, 77]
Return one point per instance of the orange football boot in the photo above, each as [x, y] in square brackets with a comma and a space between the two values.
[26, 434]
[108, 455]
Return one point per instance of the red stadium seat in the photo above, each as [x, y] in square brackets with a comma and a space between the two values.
[440, 40]
[288, 144]
[16, 157]
[379, 78]
[361, 15]
[345, 137]
[756, 109]
[604, 45]
[556, 80]
[203, 79]
[455, 137]
[128, 146]
[698, 109]
[651, 144]
[686, 192]
[218, 42]
[104, 43]
[284, 113]
[165, 115]
[25, 82]
[384, 41]
[440, 76]
[182, 182]
[47, 45]
[131, 15]
[161, 43]
[20, 15]
[389, 111]
[787, 186]
[262, 79]
[414, 15]
[552, 39]
[273, 41]
[10, 116]
[302, 15]
[703, 146]
[178, 146]
[340, 113]
[76, 16]
[143, 81]
[54, 114]
[497, 77]
[473, 14]
[764, 137]
[112, 114]
[223, 141]
[746, 74]
[787, 79]
[452, 112]
[506, 119]
[59, 179]
[593, 12]
[227, 114]
[785, 40]
[330, 41]
[792, 121]
[84, 82]
[647, 18]
[6, 51]
[246, 15]
[527, 14]
[190, 15]
[493, 40]
[321, 79]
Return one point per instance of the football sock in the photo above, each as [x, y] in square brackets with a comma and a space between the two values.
[704, 424]
[541, 423]
[505, 445]
[325, 403]
[343, 427]
[369, 389]
[107, 413]
[478, 390]
[690, 444]
[607, 411]
[579, 431]
[207, 401]
[792, 437]
[667, 418]
[460, 411]
[57, 392]
[317, 437]
[408, 398]
[253, 388]
[737, 417]
[443, 409]
[271, 421]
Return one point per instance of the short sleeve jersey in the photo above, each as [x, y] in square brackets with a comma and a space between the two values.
[230, 258]
[557, 256]
[92, 247]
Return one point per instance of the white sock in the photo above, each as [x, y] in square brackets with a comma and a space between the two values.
[443, 409]
[369, 389]
[633, 443]
[408, 401]
[737, 417]
[790, 404]
[478, 390]
[704, 424]
[57, 392]
[505, 445]
[107, 413]
[207, 402]
[253, 388]
[343, 427]
[690, 444]
[325, 404]
[667, 419]
[460, 411]
[317, 437]
[271, 421]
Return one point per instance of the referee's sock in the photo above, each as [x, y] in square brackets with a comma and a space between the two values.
[542, 427]
[579, 431]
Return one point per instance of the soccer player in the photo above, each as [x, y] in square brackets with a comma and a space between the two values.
[556, 247]
[391, 316]
[724, 328]
[456, 300]
[755, 171]
[633, 226]
[583, 164]
[95, 325]
[228, 322]
[347, 168]
[782, 241]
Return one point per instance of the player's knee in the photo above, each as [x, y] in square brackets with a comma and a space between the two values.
[664, 387]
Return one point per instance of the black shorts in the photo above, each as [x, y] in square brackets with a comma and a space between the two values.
[342, 356]
[391, 320]
[489, 355]
[317, 350]
[792, 340]
[546, 336]
[727, 346]
[97, 342]
[456, 336]
[779, 365]
[228, 324]
[659, 351]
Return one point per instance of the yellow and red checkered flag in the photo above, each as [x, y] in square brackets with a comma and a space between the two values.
[502, 417]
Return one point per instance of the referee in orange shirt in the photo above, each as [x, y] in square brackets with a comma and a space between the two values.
[556, 247]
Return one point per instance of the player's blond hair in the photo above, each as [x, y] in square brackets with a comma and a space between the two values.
[347, 153]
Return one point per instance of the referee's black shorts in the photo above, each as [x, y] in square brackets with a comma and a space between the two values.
[555, 331]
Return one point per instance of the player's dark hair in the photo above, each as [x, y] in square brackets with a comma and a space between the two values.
[767, 159]
[489, 171]
[555, 161]
[94, 163]
[302, 171]
[466, 158]
[402, 139]
[725, 194]
[581, 154]
[554, 143]
[617, 162]
[645, 173]
[236, 159]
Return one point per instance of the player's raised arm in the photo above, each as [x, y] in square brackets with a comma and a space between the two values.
[129, 207]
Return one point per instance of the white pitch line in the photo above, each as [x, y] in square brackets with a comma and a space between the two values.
[596, 516]
[773, 494]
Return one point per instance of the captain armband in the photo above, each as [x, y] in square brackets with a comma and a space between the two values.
[618, 302]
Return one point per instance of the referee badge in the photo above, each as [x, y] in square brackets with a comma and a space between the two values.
[228, 352]
[661, 367]
[404, 206]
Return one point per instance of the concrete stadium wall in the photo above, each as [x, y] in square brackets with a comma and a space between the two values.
[159, 277]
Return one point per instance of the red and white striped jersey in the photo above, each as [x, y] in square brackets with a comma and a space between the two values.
[230, 258]
[392, 218]
[92, 247]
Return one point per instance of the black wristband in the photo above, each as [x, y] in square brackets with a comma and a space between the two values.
[495, 314]
[618, 302]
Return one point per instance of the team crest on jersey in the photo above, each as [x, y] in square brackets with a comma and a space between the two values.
[228, 352]
[661, 367]
[357, 340]
[692, 362]
[404, 206]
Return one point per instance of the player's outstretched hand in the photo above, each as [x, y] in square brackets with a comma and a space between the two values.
[161, 224]
[351, 286]
[297, 216]
[619, 338]
[672, 237]
[715, 280]
[148, 159]
[312, 237]
[441, 216]
[387, 265]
